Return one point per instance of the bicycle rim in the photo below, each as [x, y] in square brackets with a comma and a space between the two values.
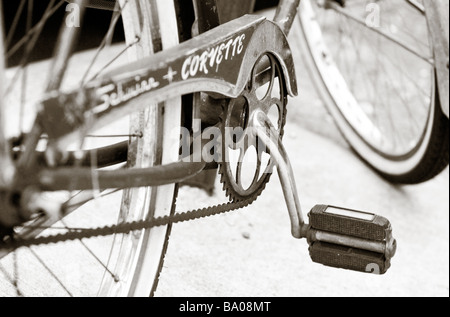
[117, 265]
[372, 63]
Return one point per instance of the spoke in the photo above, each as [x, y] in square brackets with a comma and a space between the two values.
[37, 28]
[388, 78]
[6, 274]
[368, 79]
[16, 274]
[45, 266]
[399, 93]
[83, 198]
[89, 250]
[366, 82]
[412, 16]
[340, 47]
[40, 224]
[6, 164]
[398, 68]
[384, 102]
[100, 262]
[338, 9]
[356, 43]
[408, 76]
[31, 39]
[137, 40]
[378, 84]
[345, 36]
[73, 203]
[389, 108]
[15, 22]
[24, 66]
[387, 103]
[107, 39]
[405, 29]
[11, 279]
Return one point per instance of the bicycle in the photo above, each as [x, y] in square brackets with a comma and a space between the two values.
[63, 154]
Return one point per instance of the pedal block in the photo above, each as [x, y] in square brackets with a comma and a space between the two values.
[350, 239]
[348, 258]
[350, 223]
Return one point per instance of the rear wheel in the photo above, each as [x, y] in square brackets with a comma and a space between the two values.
[372, 63]
[120, 264]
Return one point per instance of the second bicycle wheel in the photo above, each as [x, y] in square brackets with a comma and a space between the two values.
[373, 65]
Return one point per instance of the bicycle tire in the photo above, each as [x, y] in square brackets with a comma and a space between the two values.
[155, 241]
[133, 262]
[426, 154]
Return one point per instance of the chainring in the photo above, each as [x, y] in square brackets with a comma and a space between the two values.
[242, 153]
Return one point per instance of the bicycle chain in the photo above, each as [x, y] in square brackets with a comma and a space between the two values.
[125, 228]
[12, 243]
[237, 202]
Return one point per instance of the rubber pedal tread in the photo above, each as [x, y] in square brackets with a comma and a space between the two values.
[338, 256]
[378, 229]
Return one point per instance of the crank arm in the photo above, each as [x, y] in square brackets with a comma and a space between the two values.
[266, 133]
[338, 237]
[219, 62]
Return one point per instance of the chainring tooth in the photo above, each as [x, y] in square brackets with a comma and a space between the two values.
[228, 181]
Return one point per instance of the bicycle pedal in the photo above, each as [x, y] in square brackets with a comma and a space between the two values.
[350, 239]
